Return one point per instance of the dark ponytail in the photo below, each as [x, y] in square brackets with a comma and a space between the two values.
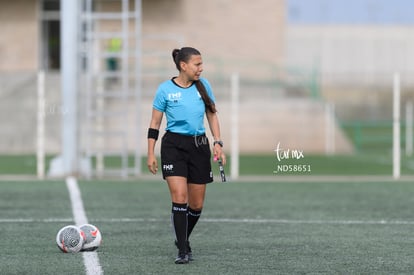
[210, 106]
[183, 55]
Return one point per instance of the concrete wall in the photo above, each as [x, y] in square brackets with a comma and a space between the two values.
[226, 29]
[353, 55]
[19, 29]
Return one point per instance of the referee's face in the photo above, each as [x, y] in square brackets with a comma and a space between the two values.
[193, 67]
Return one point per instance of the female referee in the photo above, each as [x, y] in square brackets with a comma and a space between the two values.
[185, 149]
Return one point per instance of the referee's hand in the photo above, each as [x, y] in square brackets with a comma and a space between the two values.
[219, 154]
[152, 164]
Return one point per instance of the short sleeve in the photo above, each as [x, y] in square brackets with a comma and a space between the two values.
[159, 102]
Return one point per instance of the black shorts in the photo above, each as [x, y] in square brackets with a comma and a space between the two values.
[186, 156]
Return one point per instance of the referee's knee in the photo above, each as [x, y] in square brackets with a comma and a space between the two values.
[180, 200]
[196, 206]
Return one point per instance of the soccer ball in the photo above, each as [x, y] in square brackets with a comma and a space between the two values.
[70, 239]
[93, 237]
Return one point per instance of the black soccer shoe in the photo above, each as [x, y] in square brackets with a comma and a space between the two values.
[182, 258]
[189, 253]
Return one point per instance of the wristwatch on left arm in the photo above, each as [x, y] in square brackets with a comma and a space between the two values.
[219, 142]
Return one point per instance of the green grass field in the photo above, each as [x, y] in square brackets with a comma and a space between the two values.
[257, 225]
[263, 165]
[250, 227]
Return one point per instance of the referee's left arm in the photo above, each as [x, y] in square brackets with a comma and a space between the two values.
[214, 125]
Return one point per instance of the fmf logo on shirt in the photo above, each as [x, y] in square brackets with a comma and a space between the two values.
[174, 96]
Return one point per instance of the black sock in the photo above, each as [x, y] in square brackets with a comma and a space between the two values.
[193, 216]
[179, 221]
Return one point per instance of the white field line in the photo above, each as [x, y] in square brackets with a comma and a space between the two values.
[90, 259]
[223, 220]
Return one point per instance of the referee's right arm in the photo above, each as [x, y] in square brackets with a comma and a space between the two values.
[152, 138]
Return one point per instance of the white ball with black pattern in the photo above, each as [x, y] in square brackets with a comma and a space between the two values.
[93, 237]
[70, 239]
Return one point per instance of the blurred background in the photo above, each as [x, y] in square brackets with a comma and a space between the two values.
[310, 75]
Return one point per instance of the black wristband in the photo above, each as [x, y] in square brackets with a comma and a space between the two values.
[153, 133]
